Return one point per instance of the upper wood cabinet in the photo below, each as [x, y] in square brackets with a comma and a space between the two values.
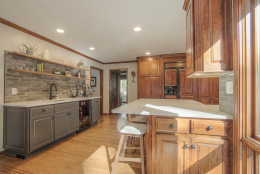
[170, 77]
[188, 86]
[209, 90]
[149, 66]
[149, 87]
[209, 37]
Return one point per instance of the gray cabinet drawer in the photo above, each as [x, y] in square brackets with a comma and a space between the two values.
[96, 101]
[66, 106]
[41, 110]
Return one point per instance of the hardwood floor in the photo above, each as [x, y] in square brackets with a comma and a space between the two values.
[89, 152]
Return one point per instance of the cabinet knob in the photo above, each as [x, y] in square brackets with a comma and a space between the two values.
[210, 128]
[193, 146]
[171, 126]
[186, 146]
[43, 110]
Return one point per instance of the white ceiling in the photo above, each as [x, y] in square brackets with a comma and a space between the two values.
[106, 25]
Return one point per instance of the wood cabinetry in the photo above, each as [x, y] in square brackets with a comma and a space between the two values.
[209, 37]
[149, 78]
[191, 146]
[209, 90]
[170, 77]
[172, 153]
[188, 86]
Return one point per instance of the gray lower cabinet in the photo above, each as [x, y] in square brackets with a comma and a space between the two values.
[27, 130]
[41, 131]
[95, 112]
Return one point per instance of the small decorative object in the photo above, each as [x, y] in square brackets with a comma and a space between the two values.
[80, 65]
[56, 71]
[133, 74]
[79, 74]
[39, 67]
[68, 73]
[93, 82]
[45, 54]
[30, 49]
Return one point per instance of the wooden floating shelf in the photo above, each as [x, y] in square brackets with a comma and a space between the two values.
[46, 74]
[44, 60]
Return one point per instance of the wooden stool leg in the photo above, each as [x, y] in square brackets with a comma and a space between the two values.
[117, 153]
[142, 153]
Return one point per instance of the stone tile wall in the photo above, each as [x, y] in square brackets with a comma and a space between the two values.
[37, 87]
[226, 101]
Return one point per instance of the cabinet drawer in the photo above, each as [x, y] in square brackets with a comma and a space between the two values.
[209, 127]
[66, 106]
[170, 97]
[172, 125]
[96, 101]
[42, 110]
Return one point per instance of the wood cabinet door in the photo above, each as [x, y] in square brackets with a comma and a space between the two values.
[144, 87]
[170, 77]
[41, 131]
[61, 122]
[208, 155]
[205, 91]
[73, 121]
[143, 67]
[187, 85]
[154, 87]
[154, 67]
[214, 87]
[189, 40]
[172, 155]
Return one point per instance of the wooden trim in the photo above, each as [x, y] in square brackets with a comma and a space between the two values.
[17, 27]
[47, 74]
[252, 143]
[110, 85]
[44, 60]
[93, 67]
[1, 153]
[185, 5]
[131, 61]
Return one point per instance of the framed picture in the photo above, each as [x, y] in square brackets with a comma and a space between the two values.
[68, 73]
[93, 82]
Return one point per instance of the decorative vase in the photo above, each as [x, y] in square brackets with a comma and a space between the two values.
[45, 54]
[30, 52]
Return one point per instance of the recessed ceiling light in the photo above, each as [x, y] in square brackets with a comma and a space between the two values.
[60, 30]
[137, 29]
[92, 48]
[147, 53]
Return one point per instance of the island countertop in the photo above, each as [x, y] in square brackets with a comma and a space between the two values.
[172, 107]
[48, 102]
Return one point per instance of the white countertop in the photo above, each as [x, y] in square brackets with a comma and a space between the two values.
[48, 102]
[172, 107]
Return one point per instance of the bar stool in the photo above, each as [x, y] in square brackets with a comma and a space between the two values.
[129, 129]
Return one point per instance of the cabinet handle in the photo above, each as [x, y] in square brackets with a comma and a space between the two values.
[210, 128]
[193, 146]
[186, 146]
[52, 117]
[43, 110]
[171, 126]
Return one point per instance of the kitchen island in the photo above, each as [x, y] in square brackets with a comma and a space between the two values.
[184, 136]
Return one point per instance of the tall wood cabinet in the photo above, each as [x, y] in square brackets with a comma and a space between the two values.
[209, 91]
[209, 37]
[149, 77]
[188, 86]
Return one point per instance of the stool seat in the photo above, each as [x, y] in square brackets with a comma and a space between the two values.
[133, 128]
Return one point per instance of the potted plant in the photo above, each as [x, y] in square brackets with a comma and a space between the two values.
[29, 50]
[56, 71]
[80, 65]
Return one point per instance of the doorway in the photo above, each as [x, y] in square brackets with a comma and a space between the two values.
[97, 75]
[118, 90]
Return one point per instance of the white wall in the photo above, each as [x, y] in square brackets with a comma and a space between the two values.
[11, 38]
[131, 87]
[96, 73]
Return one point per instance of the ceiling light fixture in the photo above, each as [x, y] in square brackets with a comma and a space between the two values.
[60, 30]
[92, 48]
[147, 53]
[137, 29]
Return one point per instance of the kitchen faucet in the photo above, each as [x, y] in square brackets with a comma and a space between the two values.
[51, 96]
